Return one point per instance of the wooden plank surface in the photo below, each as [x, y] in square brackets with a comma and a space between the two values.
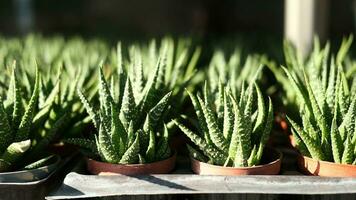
[182, 184]
[84, 186]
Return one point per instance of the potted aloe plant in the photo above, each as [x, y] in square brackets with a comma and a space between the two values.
[179, 59]
[325, 132]
[131, 136]
[232, 132]
[22, 158]
[60, 113]
[63, 68]
[313, 65]
[234, 69]
[178, 71]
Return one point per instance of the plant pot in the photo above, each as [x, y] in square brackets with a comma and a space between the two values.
[281, 122]
[310, 166]
[292, 141]
[29, 175]
[271, 160]
[159, 167]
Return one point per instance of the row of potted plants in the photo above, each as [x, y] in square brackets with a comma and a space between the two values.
[123, 106]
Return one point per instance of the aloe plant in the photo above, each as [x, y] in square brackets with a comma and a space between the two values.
[63, 68]
[315, 65]
[130, 127]
[17, 114]
[179, 59]
[328, 115]
[178, 65]
[235, 133]
[234, 70]
[50, 53]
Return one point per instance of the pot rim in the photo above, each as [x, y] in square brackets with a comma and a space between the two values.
[279, 159]
[173, 156]
[326, 162]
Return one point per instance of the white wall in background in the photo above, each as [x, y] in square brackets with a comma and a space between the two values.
[303, 20]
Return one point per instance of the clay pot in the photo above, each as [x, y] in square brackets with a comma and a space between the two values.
[271, 160]
[292, 141]
[281, 122]
[284, 125]
[314, 167]
[159, 167]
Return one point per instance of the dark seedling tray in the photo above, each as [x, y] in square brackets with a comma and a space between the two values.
[18, 187]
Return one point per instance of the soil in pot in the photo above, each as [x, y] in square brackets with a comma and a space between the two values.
[159, 167]
[314, 167]
[270, 165]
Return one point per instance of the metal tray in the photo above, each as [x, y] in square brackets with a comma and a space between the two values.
[38, 188]
[24, 176]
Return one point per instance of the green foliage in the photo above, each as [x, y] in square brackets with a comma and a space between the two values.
[63, 68]
[146, 92]
[241, 137]
[19, 145]
[132, 131]
[132, 108]
[320, 66]
[49, 110]
[328, 114]
[234, 70]
[177, 59]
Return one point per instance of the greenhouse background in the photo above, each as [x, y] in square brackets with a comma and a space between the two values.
[160, 99]
[135, 19]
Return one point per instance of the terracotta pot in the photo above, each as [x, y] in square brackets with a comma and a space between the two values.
[281, 122]
[284, 125]
[272, 159]
[159, 167]
[292, 141]
[311, 166]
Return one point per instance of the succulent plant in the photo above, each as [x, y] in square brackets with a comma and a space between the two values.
[328, 114]
[233, 132]
[18, 146]
[179, 59]
[314, 66]
[63, 68]
[129, 122]
[233, 70]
